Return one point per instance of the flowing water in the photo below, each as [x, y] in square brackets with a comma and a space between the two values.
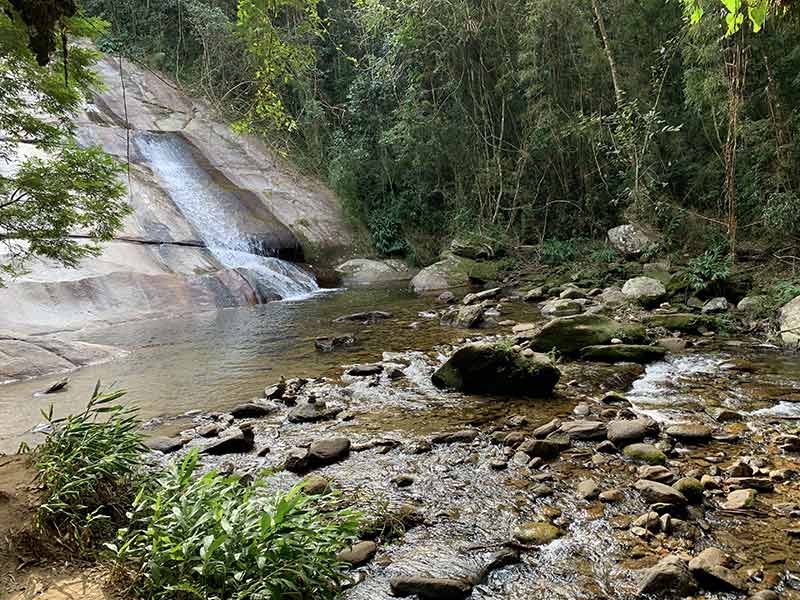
[211, 210]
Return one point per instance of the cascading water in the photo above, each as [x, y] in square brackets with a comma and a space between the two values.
[207, 206]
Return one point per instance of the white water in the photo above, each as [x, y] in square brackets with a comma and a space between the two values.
[210, 209]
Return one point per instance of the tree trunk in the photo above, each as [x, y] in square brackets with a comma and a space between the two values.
[736, 71]
[615, 78]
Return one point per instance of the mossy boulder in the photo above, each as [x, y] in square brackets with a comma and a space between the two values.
[486, 368]
[615, 353]
[570, 335]
[683, 322]
[691, 488]
[646, 453]
[455, 272]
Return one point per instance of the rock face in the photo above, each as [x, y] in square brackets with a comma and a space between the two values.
[570, 335]
[629, 240]
[366, 272]
[23, 358]
[683, 322]
[669, 577]
[645, 290]
[157, 266]
[789, 320]
[490, 369]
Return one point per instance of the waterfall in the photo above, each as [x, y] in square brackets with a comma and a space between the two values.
[211, 209]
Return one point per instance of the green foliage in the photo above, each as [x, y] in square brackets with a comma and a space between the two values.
[555, 252]
[708, 270]
[220, 538]
[88, 466]
[60, 189]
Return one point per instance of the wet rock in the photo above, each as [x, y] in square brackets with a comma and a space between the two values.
[612, 296]
[547, 428]
[691, 488]
[607, 447]
[649, 521]
[572, 293]
[498, 465]
[275, 392]
[208, 430]
[523, 328]
[669, 577]
[656, 473]
[646, 453]
[631, 431]
[536, 533]
[329, 344]
[690, 433]
[358, 554]
[740, 499]
[365, 370]
[561, 308]
[548, 448]
[446, 298]
[611, 496]
[533, 294]
[165, 445]
[765, 595]
[725, 415]
[715, 306]
[465, 436]
[238, 440]
[673, 344]
[313, 485]
[365, 318]
[492, 369]
[709, 569]
[252, 410]
[760, 484]
[614, 398]
[328, 451]
[465, 317]
[615, 353]
[404, 480]
[513, 439]
[312, 412]
[481, 296]
[588, 489]
[584, 430]
[683, 322]
[630, 240]
[569, 335]
[431, 588]
[645, 291]
[654, 492]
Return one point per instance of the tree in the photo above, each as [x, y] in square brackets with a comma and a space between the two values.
[57, 200]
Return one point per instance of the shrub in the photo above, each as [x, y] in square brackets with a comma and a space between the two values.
[88, 467]
[553, 252]
[709, 270]
[218, 538]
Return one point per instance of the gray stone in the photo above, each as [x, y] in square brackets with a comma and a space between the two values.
[789, 321]
[358, 554]
[165, 445]
[751, 304]
[569, 335]
[692, 433]
[365, 370]
[630, 240]
[465, 317]
[670, 576]
[449, 273]
[740, 499]
[584, 430]
[369, 272]
[547, 448]
[615, 353]
[631, 431]
[481, 296]
[252, 410]
[716, 306]
[312, 413]
[465, 436]
[654, 492]
[646, 453]
[238, 440]
[646, 291]
[365, 318]
[431, 588]
[588, 489]
[328, 451]
[709, 568]
[561, 308]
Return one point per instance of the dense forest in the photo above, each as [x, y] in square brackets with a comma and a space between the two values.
[520, 121]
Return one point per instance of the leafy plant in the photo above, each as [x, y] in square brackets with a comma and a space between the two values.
[553, 252]
[710, 268]
[214, 537]
[88, 466]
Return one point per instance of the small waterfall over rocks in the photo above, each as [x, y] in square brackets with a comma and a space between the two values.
[213, 212]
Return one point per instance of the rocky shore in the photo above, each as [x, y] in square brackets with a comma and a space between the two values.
[579, 443]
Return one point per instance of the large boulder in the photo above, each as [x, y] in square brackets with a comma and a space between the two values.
[669, 577]
[646, 291]
[562, 307]
[485, 368]
[364, 271]
[789, 320]
[451, 272]
[569, 335]
[471, 248]
[630, 240]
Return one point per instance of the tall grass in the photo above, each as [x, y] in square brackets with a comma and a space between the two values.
[88, 467]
